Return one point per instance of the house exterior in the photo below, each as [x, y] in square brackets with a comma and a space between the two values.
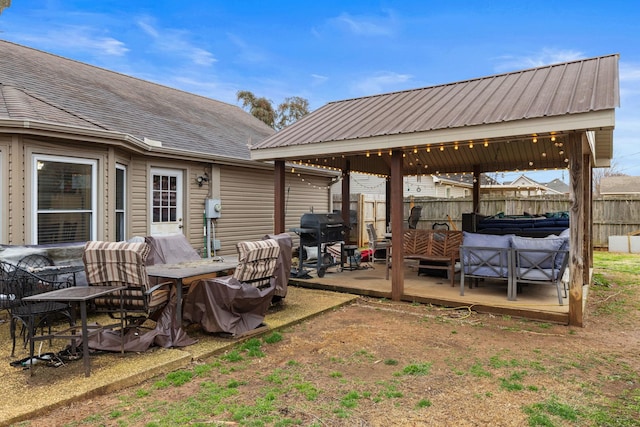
[452, 186]
[90, 154]
[523, 186]
[619, 186]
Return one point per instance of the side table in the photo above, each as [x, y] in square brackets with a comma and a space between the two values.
[74, 294]
[350, 253]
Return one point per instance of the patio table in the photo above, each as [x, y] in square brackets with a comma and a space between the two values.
[185, 270]
[74, 294]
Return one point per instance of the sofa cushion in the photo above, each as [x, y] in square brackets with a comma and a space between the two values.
[489, 255]
[486, 240]
[541, 259]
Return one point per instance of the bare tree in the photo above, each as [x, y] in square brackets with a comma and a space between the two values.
[290, 110]
[599, 173]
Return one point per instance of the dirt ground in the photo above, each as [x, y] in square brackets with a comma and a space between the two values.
[382, 363]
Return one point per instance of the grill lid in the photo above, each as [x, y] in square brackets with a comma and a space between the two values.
[321, 220]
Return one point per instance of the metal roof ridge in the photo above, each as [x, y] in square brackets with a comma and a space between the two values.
[542, 67]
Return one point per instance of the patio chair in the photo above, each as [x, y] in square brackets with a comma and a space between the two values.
[283, 269]
[124, 264]
[376, 244]
[18, 283]
[170, 249]
[414, 216]
[236, 305]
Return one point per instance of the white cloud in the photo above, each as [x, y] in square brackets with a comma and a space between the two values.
[318, 79]
[545, 57]
[245, 51]
[629, 72]
[380, 82]
[76, 38]
[365, 25]
[175, 42]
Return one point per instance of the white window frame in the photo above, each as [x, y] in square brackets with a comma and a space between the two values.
[122, 211]
[2, 196]
[34, 190]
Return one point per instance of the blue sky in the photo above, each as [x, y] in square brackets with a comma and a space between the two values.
[331, 50]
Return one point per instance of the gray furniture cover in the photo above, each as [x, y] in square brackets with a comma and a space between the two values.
[170, 249]
[283, 267]
[236, 304]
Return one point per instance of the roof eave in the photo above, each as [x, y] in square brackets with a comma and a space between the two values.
[123, 140]
[602, 122]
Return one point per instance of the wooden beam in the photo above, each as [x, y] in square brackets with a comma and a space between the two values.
[476, 188]
[278, 197]
[397, 222]
[387, 206]
[588, 211]
[578, 225]
[346, 199]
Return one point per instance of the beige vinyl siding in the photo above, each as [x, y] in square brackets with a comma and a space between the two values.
[195, 197]
[303, 194]
[247, 203]
[4, 188]
[247, 206]
[138, 197]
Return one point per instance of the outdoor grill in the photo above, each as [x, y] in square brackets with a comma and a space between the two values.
[320, 230]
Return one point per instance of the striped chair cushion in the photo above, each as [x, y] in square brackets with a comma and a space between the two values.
[257, 261]
[121, 264]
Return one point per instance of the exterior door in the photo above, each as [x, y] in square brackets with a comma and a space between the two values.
[166, 201]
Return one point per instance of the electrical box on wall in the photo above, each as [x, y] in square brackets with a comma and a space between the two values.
[212, 208]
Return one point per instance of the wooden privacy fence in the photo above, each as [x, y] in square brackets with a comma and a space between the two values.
[611, 216]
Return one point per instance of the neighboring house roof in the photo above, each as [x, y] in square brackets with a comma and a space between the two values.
[41, 88]
[463, 180]
[558, 185]
[610, 185]
[506, 110]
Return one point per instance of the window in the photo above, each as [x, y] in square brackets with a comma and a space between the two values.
[121, 187]
[64, 199]
[164, 198]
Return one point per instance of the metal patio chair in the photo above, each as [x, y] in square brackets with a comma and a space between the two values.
[17, 283]
[124, 264]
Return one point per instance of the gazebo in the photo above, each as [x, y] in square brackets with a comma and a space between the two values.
[559, 116]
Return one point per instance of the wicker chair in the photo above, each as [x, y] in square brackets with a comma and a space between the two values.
[124, 264]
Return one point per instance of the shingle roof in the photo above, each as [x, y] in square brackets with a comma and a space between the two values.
[623, 185]
[507, 106]
[38, 86]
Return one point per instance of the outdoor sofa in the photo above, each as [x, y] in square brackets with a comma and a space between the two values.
[515, 259]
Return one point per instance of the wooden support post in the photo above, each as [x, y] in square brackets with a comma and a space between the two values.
[476, 188]
[579, 226]
[279, 198]
[346, 200]
[397, 221]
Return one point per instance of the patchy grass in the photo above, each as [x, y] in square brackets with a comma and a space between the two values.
[373, 367]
